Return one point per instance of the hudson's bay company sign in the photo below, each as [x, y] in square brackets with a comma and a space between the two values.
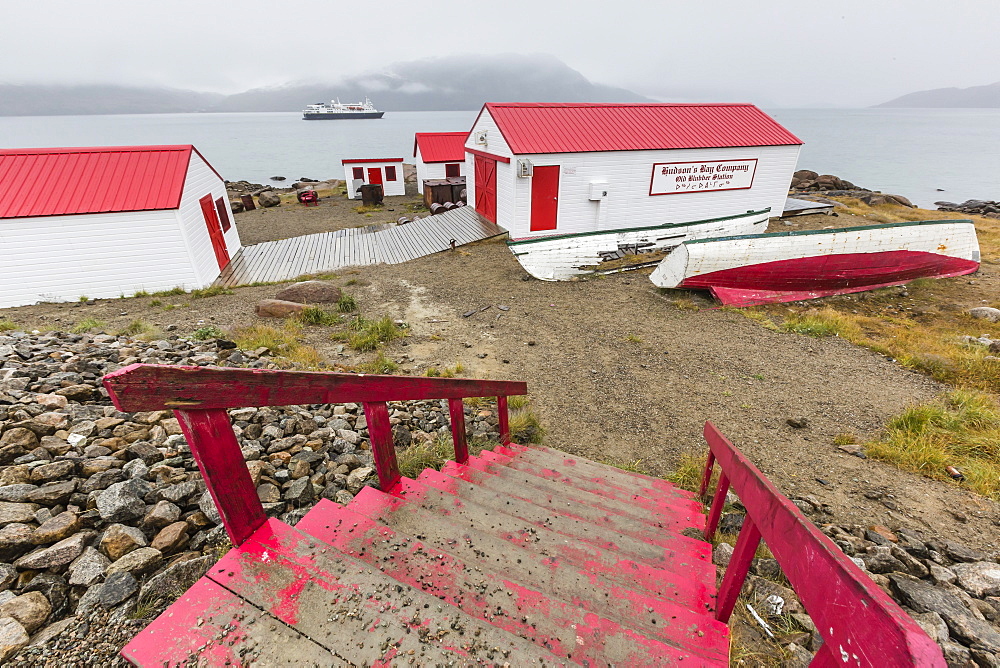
[671, 178]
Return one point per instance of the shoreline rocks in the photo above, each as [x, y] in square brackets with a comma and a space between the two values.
[99, 508]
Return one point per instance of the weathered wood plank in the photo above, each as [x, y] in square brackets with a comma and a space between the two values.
[211, 626]
[850, 611]
[141, 387]
[217, 452]
[383, 449]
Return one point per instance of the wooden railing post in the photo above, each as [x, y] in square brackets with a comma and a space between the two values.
[736, 573]
[456, 407]
[383, 450]
[718, 502]
[504, 418]
[217, 452]
[706, 478]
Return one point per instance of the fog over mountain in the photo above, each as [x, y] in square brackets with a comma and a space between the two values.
[981, 97]
[453, 83]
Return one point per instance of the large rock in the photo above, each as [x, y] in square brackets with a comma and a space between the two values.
[117, 589]
[53, 493]
[16, 538]
[310, 292]
[160, 515]
[31, 610]
[277, 308]
[357, 478]
[268, 199]
[61, 526]
[17, 512]
[118, 540]
[60, 554]
[171, 538]
[139, 562]
[176, 578]
[16, 493]
[13, 637]
[88, 568]
[121, 503]
[985, 313]
[981, 579]
[19, 436]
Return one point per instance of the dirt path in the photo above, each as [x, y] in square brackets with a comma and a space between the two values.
[618, 372]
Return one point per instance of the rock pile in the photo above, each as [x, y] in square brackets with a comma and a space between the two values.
[952, 591]
[805, 181]
[103, 511]
[977, 207]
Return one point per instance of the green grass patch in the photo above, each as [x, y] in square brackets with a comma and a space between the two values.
[432, 455]
[141, 329]
[140, 293]
[820, 323]
[367, 335]
[206, 333]
[525, 426]
[7, 325]
[172, 292]
[381, 364]
[88, 324]
[959, 429]
[314, 315]
[211, 291]
[689, 470]
[347, 304]
[278, 341]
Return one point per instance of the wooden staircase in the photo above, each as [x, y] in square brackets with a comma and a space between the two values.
[520, 556]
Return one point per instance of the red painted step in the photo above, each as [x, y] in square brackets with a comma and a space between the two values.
[523, 557]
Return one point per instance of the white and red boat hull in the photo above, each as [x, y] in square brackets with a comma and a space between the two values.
[791, 266]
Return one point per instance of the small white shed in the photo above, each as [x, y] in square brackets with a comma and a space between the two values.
[386, 171]
[440, 155]
[110, 221]
[547, 169]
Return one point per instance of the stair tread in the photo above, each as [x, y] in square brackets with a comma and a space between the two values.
[517, 515]
[662, 531]
[568, 629]
[500, 476]
[519, 549]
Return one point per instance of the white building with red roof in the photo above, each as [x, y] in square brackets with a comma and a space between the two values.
[110, 221]
[439, 155]
[553, 169]
[386, 172]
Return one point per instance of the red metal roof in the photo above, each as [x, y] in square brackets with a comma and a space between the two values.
[348, 162]
[571, 128]
[103, 179]
[440, 146]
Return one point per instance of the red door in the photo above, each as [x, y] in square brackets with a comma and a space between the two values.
[214, 231]
[544, 198]
[374, 175]
[486, 188]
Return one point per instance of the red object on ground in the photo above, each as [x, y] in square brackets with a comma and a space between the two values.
[862, 624]
[440, 146]
[573, 128]
[308, 197]
[101, 179]
[824, 275]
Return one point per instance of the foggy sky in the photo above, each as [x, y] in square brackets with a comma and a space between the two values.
[785, 53]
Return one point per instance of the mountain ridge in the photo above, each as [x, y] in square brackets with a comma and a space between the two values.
[444, 84]
[973, 97]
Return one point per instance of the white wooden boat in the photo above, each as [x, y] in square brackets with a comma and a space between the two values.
[562, 256]
[791, 266]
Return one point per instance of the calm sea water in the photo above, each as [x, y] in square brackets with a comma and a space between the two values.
[912, 152]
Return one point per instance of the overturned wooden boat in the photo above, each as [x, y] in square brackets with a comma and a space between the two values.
[790, 266]
[562, 256]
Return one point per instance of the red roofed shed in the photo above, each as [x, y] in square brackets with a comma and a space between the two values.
[440, 155]
[544, 169]
[108, 221]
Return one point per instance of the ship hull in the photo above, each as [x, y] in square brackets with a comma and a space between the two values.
[341, 117]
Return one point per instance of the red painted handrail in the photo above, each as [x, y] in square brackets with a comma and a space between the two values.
[860, 624]
[199, 396]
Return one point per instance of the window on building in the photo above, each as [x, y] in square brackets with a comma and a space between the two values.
[220, 206]
[452, 169]
[390, 173]
[359, 173]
